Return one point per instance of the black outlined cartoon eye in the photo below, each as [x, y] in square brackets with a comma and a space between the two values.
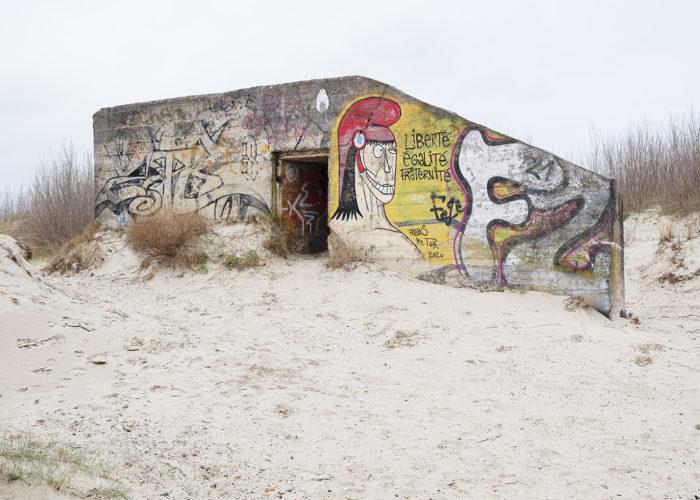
[378, 151]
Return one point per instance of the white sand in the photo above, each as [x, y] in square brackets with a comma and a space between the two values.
[297, 381]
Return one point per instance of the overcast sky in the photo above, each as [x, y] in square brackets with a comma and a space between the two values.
[542, 71]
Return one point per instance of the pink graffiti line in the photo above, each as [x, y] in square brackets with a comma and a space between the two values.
[467, 202]
[578, 257]
[538, 223]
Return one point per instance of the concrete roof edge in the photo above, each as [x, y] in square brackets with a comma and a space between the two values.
[384, 88]
[173, 100]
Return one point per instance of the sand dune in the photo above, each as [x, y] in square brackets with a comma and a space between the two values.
[296, 381]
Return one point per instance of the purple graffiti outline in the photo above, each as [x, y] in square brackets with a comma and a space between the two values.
[467, 193]
[591, 244]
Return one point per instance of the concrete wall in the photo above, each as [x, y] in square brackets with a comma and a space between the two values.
[211, 153]
[420, 189]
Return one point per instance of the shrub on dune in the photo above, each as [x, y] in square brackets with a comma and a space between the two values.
[170, 238]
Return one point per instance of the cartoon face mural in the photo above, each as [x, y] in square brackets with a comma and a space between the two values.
[377, 167]
[367, 160]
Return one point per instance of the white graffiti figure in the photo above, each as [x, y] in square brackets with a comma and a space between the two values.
[304, 211]
[322, 101]
[480, 164]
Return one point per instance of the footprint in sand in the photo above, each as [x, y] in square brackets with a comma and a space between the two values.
[76, 372]
[195, 362]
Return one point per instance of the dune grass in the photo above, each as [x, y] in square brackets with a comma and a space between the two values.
[25, 459]
[54, 206]
[655, 166]
[283, 239]
[170, 238]
[79, 254]
[343, 254]
[248, 260]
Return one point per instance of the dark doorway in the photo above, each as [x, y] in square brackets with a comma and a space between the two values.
[304, 200]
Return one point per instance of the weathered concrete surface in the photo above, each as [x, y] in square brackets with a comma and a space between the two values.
[418, 188]
[213, 152]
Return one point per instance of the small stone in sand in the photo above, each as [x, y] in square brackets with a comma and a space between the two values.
[98, 359]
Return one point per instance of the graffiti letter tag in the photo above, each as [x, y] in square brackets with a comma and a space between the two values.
[445, 215]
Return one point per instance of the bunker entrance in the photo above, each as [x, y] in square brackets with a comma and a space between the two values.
[304, 200]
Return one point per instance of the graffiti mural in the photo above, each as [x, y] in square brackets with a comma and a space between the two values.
[417, 187]
[164, 180]
[579, 254]
[142, 192]
[212, 154]
[367, 161]
[497, 175]
[279, 119]
[480, 207]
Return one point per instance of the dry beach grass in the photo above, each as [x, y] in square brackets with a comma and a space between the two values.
[169, 238]
[655, 166]
[55, 206]
[49, 469]
[282, 240]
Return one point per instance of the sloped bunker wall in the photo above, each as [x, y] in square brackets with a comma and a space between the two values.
[454, 202]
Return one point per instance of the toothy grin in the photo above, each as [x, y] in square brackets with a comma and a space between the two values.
[382, 188]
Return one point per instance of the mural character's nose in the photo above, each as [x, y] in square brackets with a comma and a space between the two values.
[387, 165]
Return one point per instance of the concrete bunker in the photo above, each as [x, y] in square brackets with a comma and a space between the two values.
[420, 189]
